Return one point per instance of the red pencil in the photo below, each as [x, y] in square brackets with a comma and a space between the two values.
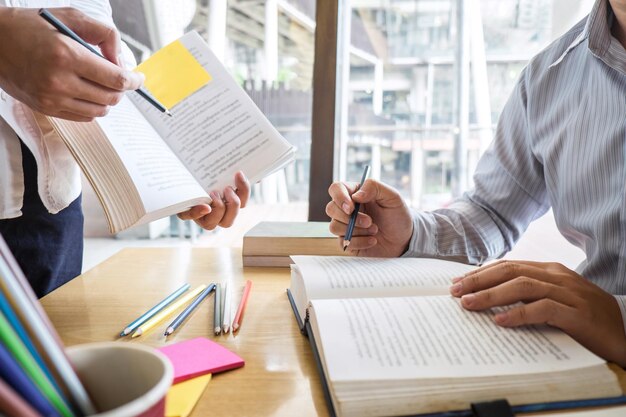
[242, 306]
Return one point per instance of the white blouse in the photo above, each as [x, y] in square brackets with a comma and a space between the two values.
[58, 174]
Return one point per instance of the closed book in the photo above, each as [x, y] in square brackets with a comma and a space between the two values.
[272, 243]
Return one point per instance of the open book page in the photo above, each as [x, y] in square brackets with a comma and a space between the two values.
[161, 179]
[433, 337]
[317, 277]
[218, 130]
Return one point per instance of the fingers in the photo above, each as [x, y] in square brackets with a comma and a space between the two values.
[232, 204]
[544, 311]
[498, 273]
[243, 188]
[195, 212]
[523, 289]
[340, 195]
[338, 215]
[104, 73]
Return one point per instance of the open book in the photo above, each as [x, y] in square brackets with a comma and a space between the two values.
[391, 341]
[144, 165]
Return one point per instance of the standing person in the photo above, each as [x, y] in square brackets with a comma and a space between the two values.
[560, 143]
[43, 72]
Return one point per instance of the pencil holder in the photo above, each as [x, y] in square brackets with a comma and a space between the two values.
[123, 379]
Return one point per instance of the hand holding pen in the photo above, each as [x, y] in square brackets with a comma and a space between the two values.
[55, 76]
[118, 83]
[384, 225]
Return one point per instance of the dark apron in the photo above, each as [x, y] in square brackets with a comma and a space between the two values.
[48, 247]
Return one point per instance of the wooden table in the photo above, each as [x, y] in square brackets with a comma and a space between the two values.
[280, 376]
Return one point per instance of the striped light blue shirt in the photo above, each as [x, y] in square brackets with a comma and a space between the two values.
[560, 143]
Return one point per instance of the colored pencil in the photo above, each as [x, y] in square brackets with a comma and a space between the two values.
[188, 310]
[14, 321]
[242, 306]
[25, 304]
[17, 349]
[227, 313]
[11, 404]
[16, 378]
[168, 311]
[154, 310]
[217, 310]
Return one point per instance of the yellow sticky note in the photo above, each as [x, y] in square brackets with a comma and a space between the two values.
[172, 74]
[182, 397]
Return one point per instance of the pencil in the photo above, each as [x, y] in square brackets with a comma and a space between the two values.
[188, 310]
[168, 310]
[42, 333]
[242, 306]
[60, 26]
[12, 404]
[217, 307]
[14, 345]
[348, 237]
[14, 321]
[154, 310]
[226, 315]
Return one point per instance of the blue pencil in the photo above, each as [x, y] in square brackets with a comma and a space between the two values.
[14, 321]
[154, 310]
[187, 311]
[12, 373]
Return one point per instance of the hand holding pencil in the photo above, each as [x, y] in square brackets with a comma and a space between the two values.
[384, 225]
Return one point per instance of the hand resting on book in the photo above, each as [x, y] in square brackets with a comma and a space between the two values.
[221, 212]
[552, 294]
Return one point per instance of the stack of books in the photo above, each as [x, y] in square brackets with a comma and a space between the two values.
[36, 377]
[272, 243]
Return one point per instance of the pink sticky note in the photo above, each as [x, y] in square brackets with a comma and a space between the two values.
[199, 356]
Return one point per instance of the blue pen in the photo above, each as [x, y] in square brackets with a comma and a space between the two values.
[154, 310]
[187, 311]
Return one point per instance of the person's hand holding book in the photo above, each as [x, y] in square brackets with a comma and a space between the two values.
[55, 75]
[552, 294]
[383, 227]
[222, 211]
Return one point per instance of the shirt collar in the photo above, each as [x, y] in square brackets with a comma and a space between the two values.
[600, 41]
[598, 28]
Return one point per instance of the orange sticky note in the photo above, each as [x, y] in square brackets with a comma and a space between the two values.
[172, 74]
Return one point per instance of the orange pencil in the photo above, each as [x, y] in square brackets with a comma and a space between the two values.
[242, 306]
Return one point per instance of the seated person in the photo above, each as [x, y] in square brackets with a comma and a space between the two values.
[559, 143]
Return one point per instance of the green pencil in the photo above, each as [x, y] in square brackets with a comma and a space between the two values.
[17, 348]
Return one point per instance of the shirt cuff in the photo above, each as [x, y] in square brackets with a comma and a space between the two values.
[424, 238]
[621, 301]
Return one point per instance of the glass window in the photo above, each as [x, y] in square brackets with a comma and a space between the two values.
[402, 87]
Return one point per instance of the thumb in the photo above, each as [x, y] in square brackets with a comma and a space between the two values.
[372, 190]
[367, 192]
